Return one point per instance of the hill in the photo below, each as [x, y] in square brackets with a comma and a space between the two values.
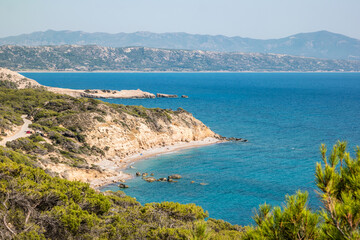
[96, 58]
[322, 44]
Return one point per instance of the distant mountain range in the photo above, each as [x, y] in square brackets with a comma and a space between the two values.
[320, 44]
[96, 58]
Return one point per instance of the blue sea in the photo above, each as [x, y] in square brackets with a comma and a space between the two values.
[285, 117]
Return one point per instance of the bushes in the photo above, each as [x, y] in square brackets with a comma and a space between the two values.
[72, 210]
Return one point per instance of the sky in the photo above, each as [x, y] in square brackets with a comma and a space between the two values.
[262, 19]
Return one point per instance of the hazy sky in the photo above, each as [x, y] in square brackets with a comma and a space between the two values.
[251, 18]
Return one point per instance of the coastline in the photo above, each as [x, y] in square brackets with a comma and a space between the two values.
[119, 165]
[129, 71]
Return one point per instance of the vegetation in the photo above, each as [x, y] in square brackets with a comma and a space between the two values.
[37, 206]
[63, 120]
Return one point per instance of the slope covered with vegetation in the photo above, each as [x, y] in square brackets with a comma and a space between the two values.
[95, 58]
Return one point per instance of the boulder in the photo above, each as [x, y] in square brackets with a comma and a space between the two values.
[121, 185]
[184, 96]
[150, 179]
[174, 176]
[163, 95]
[162, 179]
[138, 174]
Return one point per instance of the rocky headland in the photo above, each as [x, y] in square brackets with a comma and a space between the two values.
[89, 140]
[18, 81]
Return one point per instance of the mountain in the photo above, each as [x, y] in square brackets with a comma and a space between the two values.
[320, 44]
[95, 58]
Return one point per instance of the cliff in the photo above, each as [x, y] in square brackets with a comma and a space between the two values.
[95, 58]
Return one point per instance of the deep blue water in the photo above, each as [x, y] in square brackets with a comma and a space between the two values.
[285, 117]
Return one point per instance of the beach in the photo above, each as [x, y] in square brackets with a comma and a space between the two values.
[119, 165]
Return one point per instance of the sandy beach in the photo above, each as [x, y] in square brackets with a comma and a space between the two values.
[119, 165]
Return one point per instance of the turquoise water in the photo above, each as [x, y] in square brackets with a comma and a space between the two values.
[285, 117]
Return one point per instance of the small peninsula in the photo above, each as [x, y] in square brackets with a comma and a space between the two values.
[21, 82]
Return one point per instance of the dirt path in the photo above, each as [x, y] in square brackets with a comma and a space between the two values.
[19, 134]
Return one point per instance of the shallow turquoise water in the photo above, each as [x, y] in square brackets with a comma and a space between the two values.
[285, 117]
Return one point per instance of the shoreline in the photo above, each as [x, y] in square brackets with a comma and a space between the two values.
[119, 165]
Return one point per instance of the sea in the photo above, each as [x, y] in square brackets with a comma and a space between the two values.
[284, 116]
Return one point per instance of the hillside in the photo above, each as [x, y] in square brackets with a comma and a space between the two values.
[320, 44]
[95, 58]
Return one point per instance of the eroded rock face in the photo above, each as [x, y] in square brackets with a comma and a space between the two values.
[124, 134]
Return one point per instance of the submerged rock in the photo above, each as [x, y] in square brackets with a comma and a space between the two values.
[236, 139]
[192, 182]
[144, 174]
[152, 174]
[174, 176]
[150, 179]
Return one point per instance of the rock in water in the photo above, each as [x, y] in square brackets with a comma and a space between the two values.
[121, 185]
[150, 179]
[138, 174]
[184, 96]
[163, 95]
[174, 176]
[162, 179]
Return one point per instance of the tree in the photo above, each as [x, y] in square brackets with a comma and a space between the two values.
[294, 221]
[340, 192]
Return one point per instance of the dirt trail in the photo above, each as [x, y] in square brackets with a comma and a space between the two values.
[19, 134]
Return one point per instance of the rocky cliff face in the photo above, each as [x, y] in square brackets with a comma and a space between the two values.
[123, 134]
[120, 134]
